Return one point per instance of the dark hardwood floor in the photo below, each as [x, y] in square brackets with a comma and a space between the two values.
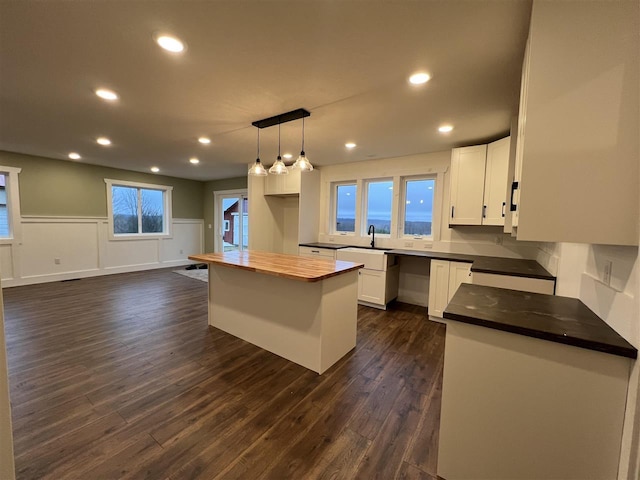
[120, 377]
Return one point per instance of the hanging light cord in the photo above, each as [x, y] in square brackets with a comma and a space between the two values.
[258, 144]
[302, 134]
[278, 141]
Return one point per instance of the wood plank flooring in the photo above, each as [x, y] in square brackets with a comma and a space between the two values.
[121, 377]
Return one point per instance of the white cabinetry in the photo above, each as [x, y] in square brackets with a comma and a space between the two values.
[444, 280]
[317, 252]
[479, 184]
[510, 282]
[577, 154]
[467, 185]
[284, 211]
[378, 280]
[283, 184]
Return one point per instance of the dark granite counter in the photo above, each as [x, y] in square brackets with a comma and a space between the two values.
[333, 246]
[548, 317]
[516, 267]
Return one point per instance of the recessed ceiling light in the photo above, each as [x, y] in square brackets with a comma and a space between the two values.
[287, 156]
[155, 169]
[103, 141]
[419, 78]
[106, 94]
[170, 44]
[194, 160]
[445, 128]
[204, 140]
[74, 156]
[350, 145]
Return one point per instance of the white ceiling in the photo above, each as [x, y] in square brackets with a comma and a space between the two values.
[346, 62]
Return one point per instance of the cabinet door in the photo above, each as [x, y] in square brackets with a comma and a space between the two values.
[438, 287]
[580, 149]
[273, 184]
[459, 273]
[522, 119]
[467, 185]
[495, 182]
[371, 286]
[291, 182]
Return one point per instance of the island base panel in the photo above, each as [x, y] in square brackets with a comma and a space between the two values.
[310, 323]
[516, 407]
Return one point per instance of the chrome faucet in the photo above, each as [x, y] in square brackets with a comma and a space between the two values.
[372, 230]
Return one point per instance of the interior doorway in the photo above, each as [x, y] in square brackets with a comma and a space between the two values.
[231, 221]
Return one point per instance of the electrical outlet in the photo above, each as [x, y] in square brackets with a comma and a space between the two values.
[210, 227]
[181, 252]
[606, 275]
[56, 261]
[332, 239]
[408, 244]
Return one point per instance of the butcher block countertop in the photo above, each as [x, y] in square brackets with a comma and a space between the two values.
[304, 269]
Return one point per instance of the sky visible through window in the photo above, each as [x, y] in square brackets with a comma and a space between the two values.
[418, 208]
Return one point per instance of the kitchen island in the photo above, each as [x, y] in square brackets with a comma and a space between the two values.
[302, 309]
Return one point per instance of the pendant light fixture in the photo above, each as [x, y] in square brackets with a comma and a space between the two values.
[279, 168]
[303, 162]
[257, 168]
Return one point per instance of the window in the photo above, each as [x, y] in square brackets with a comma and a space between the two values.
[9, 204]
[379, 205]
[138, 209]
[418, 207]
[345, 211]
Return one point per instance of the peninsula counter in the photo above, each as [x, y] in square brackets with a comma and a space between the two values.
[302, 309]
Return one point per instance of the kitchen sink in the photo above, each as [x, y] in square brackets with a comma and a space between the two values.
[374, 259]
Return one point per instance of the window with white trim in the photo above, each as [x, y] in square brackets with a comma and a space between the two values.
[9, 204]
[417, 207]
[344, 211]
[378, 206]
[138, 209]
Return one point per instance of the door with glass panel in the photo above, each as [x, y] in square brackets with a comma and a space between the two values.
[232, 222]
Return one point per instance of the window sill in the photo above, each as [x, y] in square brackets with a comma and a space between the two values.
[140, 236]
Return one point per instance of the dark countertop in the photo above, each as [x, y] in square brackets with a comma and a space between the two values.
[333, 246]
[548, 317]
[517, 267]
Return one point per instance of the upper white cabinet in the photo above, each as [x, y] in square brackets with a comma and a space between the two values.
[283, 184]
[479, 181]
[496, 182]
[284, 210]
[578, 153]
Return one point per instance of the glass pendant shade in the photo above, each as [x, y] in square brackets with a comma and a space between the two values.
[303, 163]
[258, 169]
[279, 168]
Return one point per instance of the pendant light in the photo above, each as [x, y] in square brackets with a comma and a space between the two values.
[257, 168]
[279, 168]
[303, 162]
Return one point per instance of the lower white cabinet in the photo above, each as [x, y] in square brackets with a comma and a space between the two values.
[315, 252]
[376, 288]
[510, 282]
[444, 280]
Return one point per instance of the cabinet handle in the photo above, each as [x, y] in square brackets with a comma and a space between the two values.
[513, 206]
[504, 204]
[484, 211]
[452, 207]
[315, 251]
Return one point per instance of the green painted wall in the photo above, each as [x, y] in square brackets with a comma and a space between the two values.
[52, 187]
[237, 183]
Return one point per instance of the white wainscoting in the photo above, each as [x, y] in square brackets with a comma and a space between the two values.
[62, 248]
